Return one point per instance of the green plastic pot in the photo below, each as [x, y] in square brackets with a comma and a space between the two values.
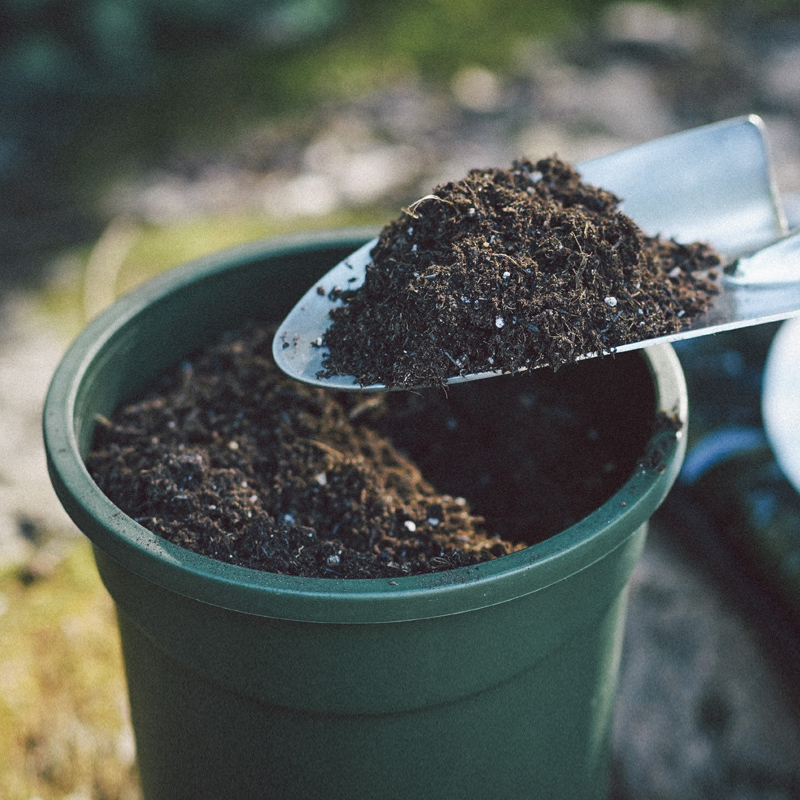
[492, 682]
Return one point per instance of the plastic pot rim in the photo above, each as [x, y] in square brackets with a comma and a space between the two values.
[330, 600]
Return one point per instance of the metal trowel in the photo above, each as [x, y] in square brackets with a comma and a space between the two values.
[713, 183]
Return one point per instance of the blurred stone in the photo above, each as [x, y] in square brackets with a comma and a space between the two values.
[649, 25]
[620, 99]
[410, 111]
[475, 152]
[477, 89]
[29, 353]
[781, 75]
[361, 168]
[546, 139]
[306, 195]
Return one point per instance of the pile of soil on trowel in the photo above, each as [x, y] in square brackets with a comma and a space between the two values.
[508, 270]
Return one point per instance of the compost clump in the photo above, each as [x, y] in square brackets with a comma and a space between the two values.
[508, 270]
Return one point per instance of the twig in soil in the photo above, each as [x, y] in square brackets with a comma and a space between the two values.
[327, 448]
[413, 207]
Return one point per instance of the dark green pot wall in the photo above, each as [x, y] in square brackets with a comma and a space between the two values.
[496, 681]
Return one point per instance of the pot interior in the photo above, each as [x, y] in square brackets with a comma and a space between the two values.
[462, 440]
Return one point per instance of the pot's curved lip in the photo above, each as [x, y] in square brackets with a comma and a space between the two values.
[324, 599]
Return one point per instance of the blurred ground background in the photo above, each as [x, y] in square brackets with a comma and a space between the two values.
[136, 135]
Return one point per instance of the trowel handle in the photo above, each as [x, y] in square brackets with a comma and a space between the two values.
[776, 263]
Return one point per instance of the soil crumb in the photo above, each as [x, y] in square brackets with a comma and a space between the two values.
[508, 270]
[229, 458]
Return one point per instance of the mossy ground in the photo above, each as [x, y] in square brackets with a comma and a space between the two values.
[64, 727]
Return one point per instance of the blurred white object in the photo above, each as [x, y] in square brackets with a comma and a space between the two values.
[781, 399]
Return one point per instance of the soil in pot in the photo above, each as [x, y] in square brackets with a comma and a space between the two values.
[228, 457]
[508, 270]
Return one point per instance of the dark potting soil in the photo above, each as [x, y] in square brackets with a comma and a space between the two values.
[228, 457]
[509, 270]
